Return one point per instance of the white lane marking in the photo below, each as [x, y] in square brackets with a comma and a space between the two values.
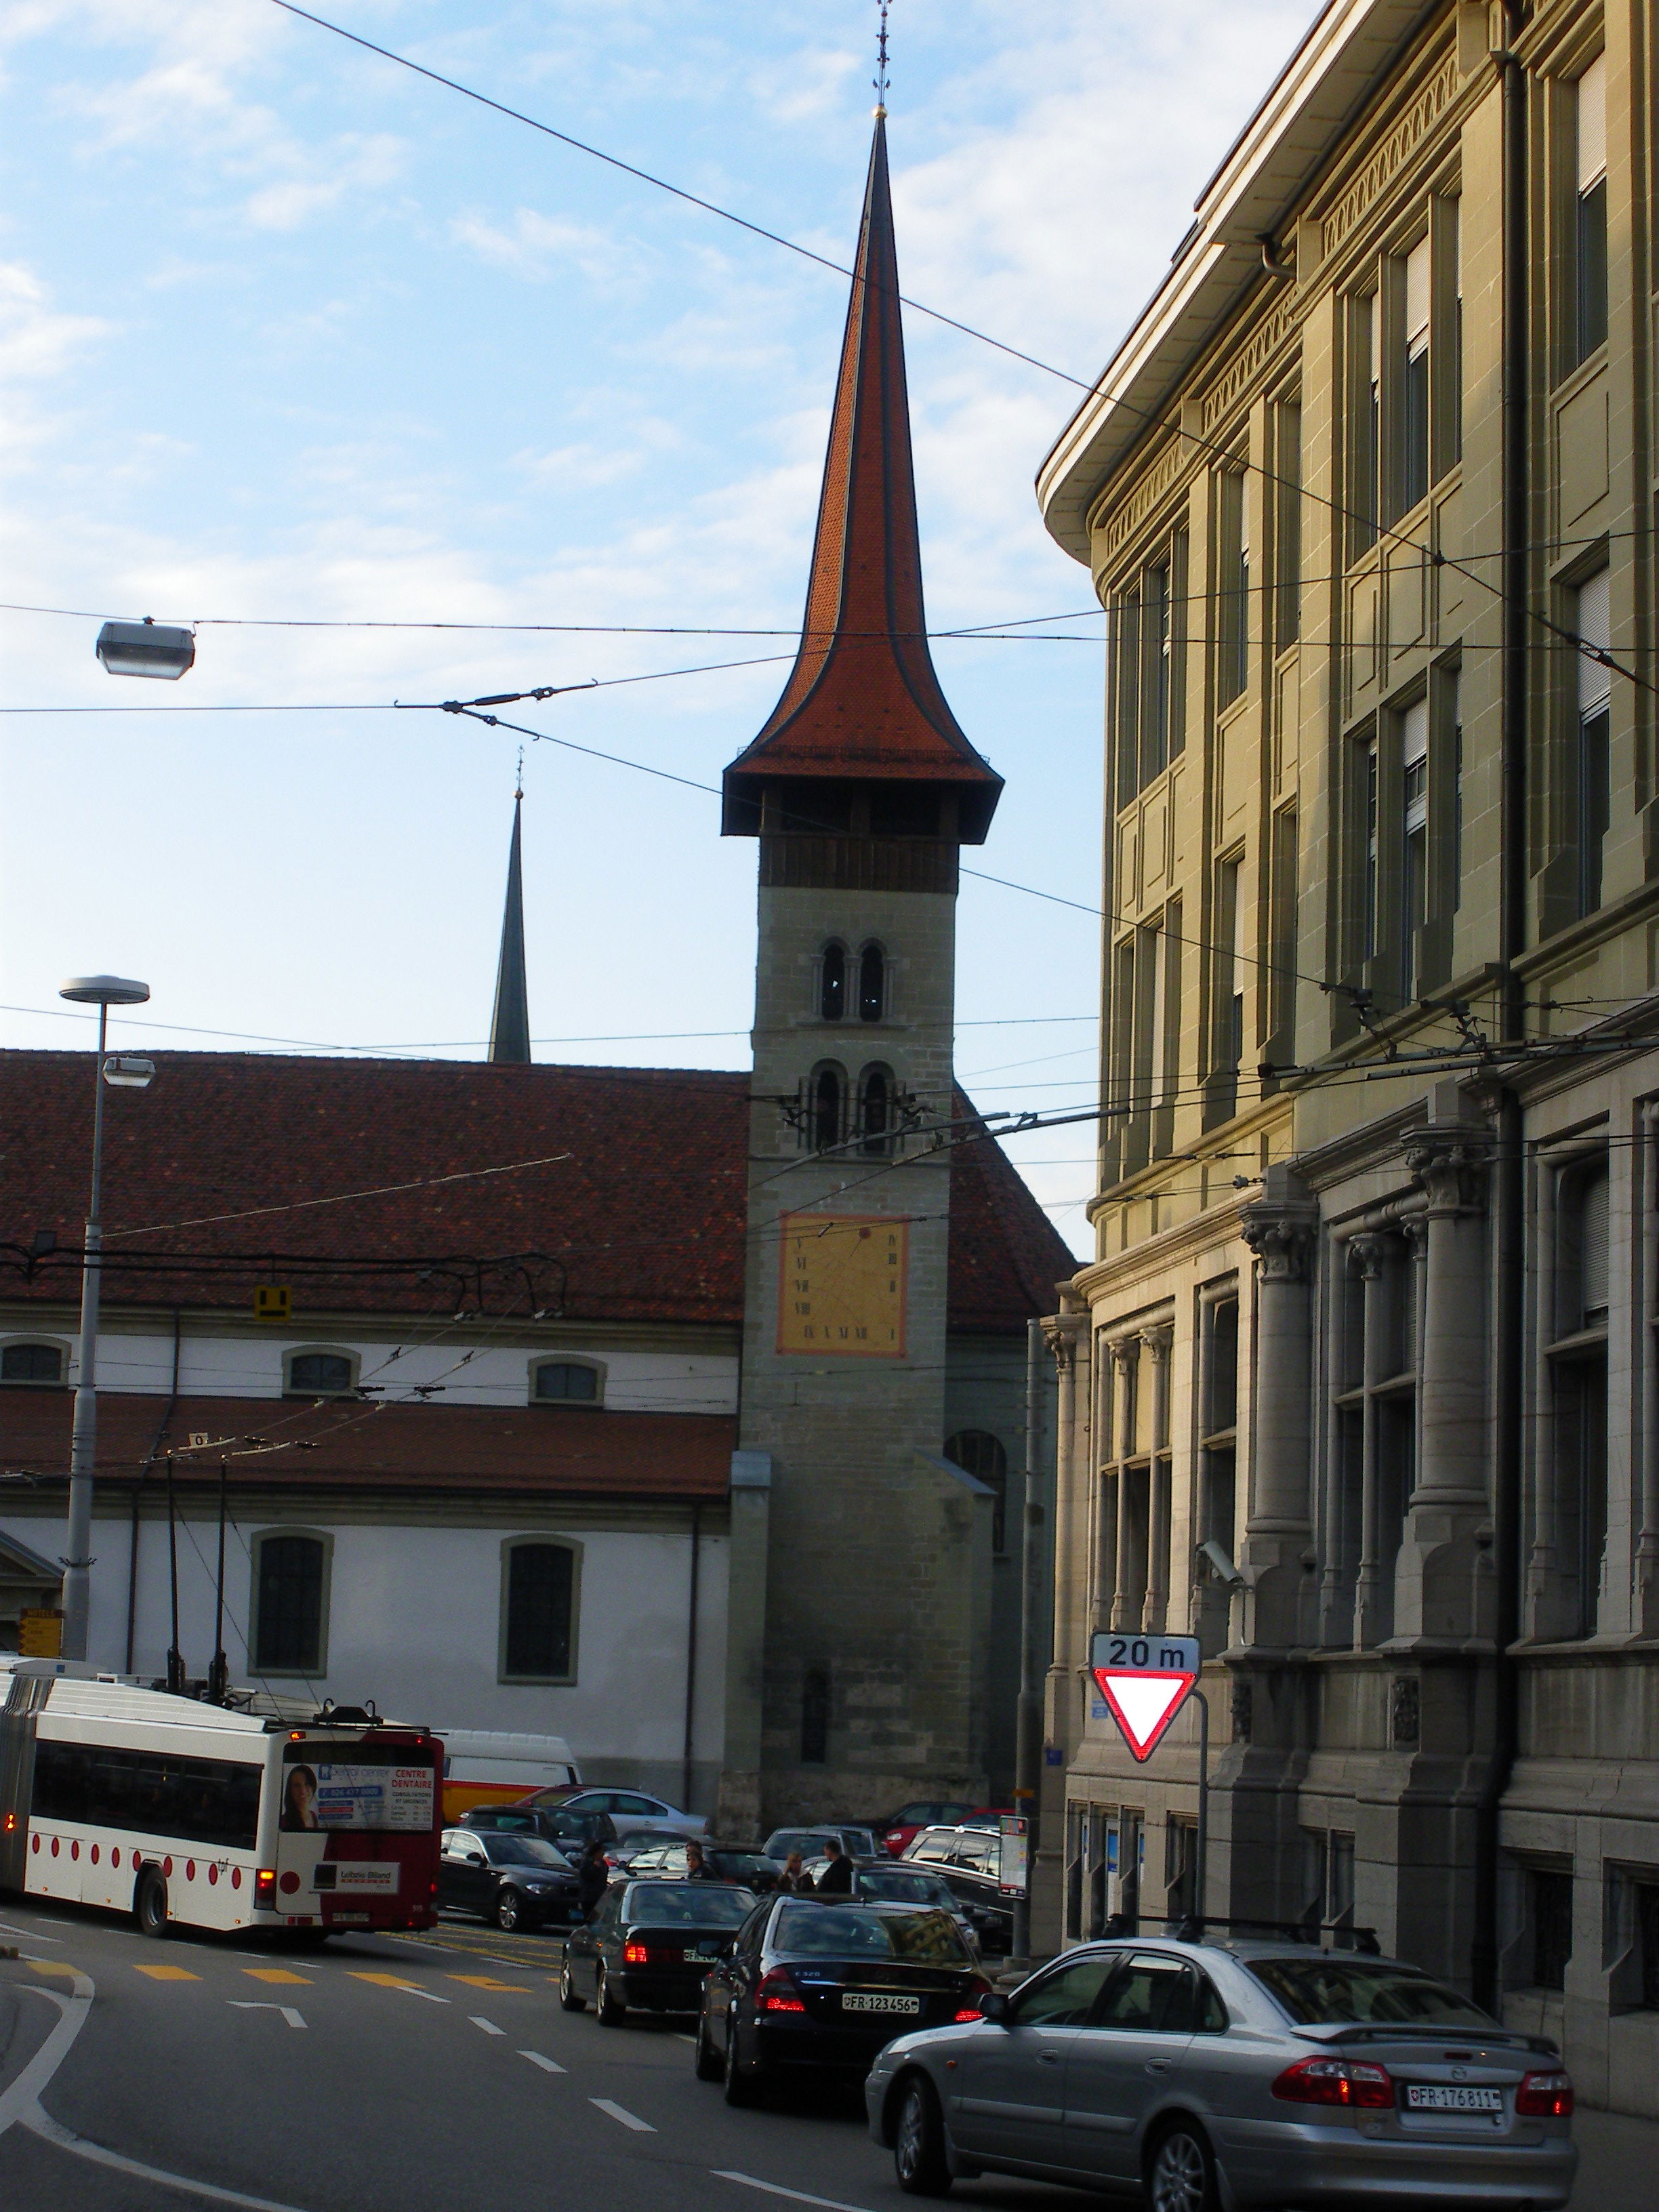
[547, 2065]
[22, 2098]
[53, 2131]
[487, 2026]
[795, 2196]
[256, 2004]
[620, 2113]
[6, 1928]
[431, 1995]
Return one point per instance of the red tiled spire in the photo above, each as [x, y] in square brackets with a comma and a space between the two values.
[863, 701]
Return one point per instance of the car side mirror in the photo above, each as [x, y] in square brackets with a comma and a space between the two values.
[994, 2005]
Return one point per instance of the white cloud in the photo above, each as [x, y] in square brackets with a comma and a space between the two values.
[35, 340]
[533, 245]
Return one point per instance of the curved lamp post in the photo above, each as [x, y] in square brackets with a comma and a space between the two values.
[124, 1070]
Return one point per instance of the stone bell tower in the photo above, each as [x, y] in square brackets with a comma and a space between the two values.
[860, 1557]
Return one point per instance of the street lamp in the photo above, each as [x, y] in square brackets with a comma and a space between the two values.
[146, 648]
[126, 1071]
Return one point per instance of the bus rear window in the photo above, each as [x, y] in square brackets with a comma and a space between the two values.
[152, 1793]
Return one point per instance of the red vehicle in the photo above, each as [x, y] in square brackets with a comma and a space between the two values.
[896, 1830]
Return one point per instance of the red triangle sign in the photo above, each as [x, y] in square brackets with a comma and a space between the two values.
[1143, 1703]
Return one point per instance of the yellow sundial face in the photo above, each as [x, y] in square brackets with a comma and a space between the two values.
[841, 1285]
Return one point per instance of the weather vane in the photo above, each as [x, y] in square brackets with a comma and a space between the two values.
[880, 77]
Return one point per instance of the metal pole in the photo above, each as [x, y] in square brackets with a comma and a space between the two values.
[1028, 1732]
[83, 1441]
[175, 1657]
[219, 1674]
[1201, 1841]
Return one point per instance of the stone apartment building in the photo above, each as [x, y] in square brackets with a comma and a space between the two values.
[1361, 1385]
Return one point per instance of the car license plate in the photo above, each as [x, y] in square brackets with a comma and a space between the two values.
[348, 1920]
[1432, 2097]
[853, 2000]
[705, 1951]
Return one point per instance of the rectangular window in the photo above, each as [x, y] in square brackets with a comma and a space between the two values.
[1549, 1901]
[1233, 589]
[1453, 708]
[1414, 838]
[1285, 947]
[1371, 928]
[1157, 636]
[149, 1793]
[1647, 1941]
[1143, 631]
[1590, 210]
[1287, 524]
[1365, 433]
[1414, 381]
[1126, 634]
[289, 1629]
[1593, 795]
[1168, 1034]
[1227, 967]
[540, 1586]
[1452, 245]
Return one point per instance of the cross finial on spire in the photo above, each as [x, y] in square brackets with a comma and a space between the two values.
[880, 79]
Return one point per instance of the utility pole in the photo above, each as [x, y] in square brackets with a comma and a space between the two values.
[1028, 1736]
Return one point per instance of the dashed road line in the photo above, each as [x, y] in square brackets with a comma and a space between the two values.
[6, 1928]
[487, 2026]
[396, 1981]
[488, 1982]
[168, 1973]
[616, 2112]
[547, 2065]
[795, 2196]
[260, 2004]
[279, 1974]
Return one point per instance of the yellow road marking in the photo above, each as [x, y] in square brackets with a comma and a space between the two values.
[166, 1973]
[277, 1974]
[384, 1981]
[53, 1966]
[487, 1982]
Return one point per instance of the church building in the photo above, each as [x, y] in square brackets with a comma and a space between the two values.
[678, 1413]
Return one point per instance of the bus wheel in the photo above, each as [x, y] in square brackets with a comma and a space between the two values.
[149, 1903]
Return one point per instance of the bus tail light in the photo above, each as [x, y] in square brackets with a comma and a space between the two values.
[265, 1888]
[777, 1993]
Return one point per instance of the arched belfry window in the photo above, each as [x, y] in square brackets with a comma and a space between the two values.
[876, 1110]
[872, 984]
[832, 982]
[826, 1108]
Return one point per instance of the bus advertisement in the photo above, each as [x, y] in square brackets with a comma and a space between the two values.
[206, 1816]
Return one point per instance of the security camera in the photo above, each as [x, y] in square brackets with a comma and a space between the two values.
[1219, 1565]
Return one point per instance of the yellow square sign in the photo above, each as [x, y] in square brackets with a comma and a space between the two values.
[39, 1633]
[842, 1285]
[273, 1302]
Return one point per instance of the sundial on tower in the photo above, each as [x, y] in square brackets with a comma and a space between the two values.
[841, 1285]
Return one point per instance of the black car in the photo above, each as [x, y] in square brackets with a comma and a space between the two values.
[751, 1869]
[825, 1983]
[568, 1831]
[517, 1880]
[892, 1882]
[970, 1859]
[649, 1945]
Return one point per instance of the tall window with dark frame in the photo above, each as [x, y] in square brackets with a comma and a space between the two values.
[540, 1586]
[832, 982]
[872, 984]
[1232, 587]
[1414, 841]
[1364, 420]
[1216, 1458]
[877, 1114]
[1549, 1915]
[980, 1453]
[288, 1631]
[825, 1104]
[1414, 387]
[1578, 1372]
[1593, 738]
[1145, 630]
[815, 1718]
[1287, 524]
[1286, 944]
[1589, 212]
[1227, 972]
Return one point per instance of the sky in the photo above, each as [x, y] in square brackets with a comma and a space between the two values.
[289, 334]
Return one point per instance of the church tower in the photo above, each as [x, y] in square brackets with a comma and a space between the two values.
[860, 1554]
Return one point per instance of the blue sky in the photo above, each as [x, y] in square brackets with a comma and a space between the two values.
[287, 332]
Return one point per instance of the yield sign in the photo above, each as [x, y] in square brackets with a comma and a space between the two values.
[1144, 1680]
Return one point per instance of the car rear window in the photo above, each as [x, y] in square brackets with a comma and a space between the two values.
[507, 1849]
[687, 1904]
[1327, 1992]
[903, 1889]
[828, 1931]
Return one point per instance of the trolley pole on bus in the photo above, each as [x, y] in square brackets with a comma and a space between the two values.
[131, 1073]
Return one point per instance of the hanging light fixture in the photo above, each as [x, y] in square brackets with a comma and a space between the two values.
[146, 648]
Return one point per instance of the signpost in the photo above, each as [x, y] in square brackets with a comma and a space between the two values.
[1144, 1680]
[1013, 1853]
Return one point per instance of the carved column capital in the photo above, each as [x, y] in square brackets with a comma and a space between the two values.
[1061, 1333]
[1282, 1239]
[1124, 1352]
[1158, 1340]
[1368, 1255]
[1449, 1164]
[1415, 1231]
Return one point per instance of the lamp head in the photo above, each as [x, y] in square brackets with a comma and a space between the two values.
[146, 648]
[104, 990]
[127, 1071]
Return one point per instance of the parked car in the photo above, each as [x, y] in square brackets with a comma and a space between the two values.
[857, 1843]
[727, 1862]
[897, 1829]
[815, 1983]
[568, 1831]
[1243, 2073]
[649, 1945]
[879, 1881]
[628, 1809]
[517, 1880]
[970, 1860]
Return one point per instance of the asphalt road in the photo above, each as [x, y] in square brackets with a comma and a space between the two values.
[426, 2074]
[382, 2074]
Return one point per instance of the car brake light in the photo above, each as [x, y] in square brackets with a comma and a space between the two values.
[652, 1954]
[777, 1993]
[1346, 2081]
[264, 1887]
[971, 2000]
[1544, 2097]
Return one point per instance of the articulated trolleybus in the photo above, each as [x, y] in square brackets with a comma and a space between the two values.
[206, 1816]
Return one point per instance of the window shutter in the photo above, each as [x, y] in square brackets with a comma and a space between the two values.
[1593, 1251]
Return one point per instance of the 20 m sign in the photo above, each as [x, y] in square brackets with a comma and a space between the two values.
[1146, 1680]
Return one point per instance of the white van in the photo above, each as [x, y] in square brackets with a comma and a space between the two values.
[488, 1766]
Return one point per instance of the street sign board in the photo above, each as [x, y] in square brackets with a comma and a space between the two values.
[1145, 1682]
[1015, 1845]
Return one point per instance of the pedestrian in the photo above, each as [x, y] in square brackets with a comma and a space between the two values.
[592, 1878]
[792, 1877]
[697, 1867]
[837, 1880]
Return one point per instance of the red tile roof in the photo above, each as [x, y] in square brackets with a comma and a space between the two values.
[636, 1201]
[566, 1451]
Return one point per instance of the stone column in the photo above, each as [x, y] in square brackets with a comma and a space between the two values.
[1126, 1357]
[1157, 1343]
[1279, 1228]
[1434, 1582]
[1373, 1606]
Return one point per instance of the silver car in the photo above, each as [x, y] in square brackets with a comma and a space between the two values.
[1236, 2073]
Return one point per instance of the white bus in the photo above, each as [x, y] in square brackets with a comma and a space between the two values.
[200, 1815]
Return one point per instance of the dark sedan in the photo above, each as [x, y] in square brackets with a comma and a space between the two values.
[725, 1862]
[826, 1984]
[568, 1831]
[516, 1880]
[649, 1945]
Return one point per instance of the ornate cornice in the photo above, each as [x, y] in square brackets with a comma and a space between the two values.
[1391, 156]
